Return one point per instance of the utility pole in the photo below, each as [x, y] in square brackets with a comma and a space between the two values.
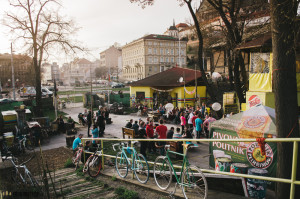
[184, 88]
[12, 73]
[91, 89]
[196, 80]
[179, 53]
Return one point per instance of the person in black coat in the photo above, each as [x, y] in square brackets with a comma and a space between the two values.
[101, 123]
[129, 124]
[143, 135]
[89, 122]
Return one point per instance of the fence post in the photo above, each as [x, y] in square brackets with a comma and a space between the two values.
[294, 169]
[132, 159]
[83, 143]
[102, 152]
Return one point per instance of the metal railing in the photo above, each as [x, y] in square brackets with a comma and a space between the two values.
[292, 181]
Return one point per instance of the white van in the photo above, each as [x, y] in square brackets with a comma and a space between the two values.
[46, 91]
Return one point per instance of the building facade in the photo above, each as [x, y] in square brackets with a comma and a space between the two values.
[46, 73]
[111, 59]
[23, 70]
[152, 54]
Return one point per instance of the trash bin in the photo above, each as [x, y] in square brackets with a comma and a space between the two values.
[257, 188]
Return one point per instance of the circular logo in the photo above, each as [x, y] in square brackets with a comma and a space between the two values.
[254, 100]
[254, 122]
[256, 159]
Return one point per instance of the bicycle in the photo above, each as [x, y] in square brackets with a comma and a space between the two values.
[77, 156]
[191, 179]
[93, 165]
[17, 177]
[139, 164]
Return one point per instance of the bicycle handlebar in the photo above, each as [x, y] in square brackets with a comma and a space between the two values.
[27, 160]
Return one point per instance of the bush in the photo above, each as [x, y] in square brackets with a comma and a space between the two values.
[69, 163]
[124, 193]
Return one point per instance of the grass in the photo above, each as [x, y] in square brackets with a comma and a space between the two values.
[124, 193]
[69, 163]
[51, 114]
[73, 99]
[113, 178]
[64, 192]
[78, 91]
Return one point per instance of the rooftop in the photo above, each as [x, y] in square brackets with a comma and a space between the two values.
[169, 78]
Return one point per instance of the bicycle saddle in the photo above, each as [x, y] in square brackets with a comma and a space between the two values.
[187, 145]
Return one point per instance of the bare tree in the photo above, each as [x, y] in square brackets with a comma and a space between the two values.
[285, 30]
[40, 28]
[210, 90]
[101, 71]
[235, 20]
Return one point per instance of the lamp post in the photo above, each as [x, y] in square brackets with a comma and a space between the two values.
[13, 73]
[182, 79]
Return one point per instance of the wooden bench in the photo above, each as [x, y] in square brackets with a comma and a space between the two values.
[129, 132]
[175, 146]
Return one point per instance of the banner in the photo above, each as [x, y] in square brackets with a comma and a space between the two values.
[189, 92]
[257, 122]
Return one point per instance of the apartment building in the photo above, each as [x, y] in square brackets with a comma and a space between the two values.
[23, 70]
[152, 54]
[110, 57]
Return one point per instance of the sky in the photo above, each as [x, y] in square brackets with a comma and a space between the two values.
[104, 22]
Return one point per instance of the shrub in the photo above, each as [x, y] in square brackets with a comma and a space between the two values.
[124, 193]
[69, 163]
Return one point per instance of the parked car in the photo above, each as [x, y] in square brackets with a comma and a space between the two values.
[6, 100]
[118, 85]
[46, 91]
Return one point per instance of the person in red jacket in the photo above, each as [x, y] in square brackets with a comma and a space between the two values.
[150, 135]
[161, 130]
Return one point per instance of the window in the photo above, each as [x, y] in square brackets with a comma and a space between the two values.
[182, 60]
[167, 59]
[161, 43]
[161, 59]
[149, 59]
[182, 52]
[154, 51]
[172, 59]
[149, 50]
[167, 51]
[155, 68]
[162, 68]
[149, 42]
[172, 51]
[150, 68]
[155, 59]
[161, 51]
[140, 95]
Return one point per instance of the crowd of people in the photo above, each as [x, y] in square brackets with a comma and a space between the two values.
[194, 124]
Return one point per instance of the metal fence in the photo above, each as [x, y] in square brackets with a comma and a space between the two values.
[292, 181]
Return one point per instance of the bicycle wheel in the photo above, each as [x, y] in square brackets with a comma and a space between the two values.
[29, 145]
[162, 172]
[94, 165]
[76, 159]
[121, 165]
[32, 181]
[195, 185]
[85, 167]
[15, 176]
[141, 168]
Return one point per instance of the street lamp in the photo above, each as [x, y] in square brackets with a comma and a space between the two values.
[182, 79]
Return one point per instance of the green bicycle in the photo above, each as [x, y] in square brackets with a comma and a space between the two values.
[191, 179]
[139, 164]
